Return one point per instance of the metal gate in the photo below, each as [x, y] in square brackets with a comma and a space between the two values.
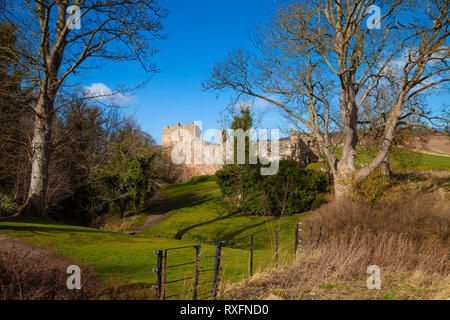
[163, 268]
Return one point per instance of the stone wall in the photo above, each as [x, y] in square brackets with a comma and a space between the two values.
[298, 147]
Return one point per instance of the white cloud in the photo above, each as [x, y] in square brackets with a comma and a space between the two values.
[255, 103]
[101, 92]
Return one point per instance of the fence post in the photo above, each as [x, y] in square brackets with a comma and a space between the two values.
[158, 271]
[276, 250]
[296, 239]
[251, 255]
[197, 266]
[318, 239]
[164, 275]
[215, 282]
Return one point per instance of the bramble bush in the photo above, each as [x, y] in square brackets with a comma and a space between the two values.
[293, 189]
[127, 180]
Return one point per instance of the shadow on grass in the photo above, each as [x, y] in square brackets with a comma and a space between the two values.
[220, 235]
[50, 229]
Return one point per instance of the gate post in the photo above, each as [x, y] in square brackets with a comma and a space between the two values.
[197, 266]
[158, 271]
[318, 239]
[251, 255]
[215, 282]
[276, 250]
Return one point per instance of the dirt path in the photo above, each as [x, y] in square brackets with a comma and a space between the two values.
[162, 209]
[9, 244]
[431, 153]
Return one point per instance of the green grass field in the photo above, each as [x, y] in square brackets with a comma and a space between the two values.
[205, 218]
[402, 159]
[202, 218]
[126, 257]
[189, 187]
[131, 258]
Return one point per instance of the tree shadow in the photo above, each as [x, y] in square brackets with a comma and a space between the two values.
[49, 229]
[224, 235]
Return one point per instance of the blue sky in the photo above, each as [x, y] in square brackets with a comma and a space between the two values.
[199, 33]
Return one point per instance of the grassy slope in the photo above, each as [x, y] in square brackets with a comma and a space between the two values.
[189, 187]
[201, 218]
[420, 161]
[205, 218]
[130, 257]
[118, 255]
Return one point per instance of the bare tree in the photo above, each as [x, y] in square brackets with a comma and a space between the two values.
[52, 48]
[316, 57]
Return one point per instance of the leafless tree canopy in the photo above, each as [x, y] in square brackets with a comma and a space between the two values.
[51, 48]
[319, 62]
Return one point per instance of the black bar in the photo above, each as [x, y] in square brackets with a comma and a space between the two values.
[197, 265]
[251, 255]
[215, 282]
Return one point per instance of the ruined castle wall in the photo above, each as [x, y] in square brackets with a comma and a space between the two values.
[297, 147]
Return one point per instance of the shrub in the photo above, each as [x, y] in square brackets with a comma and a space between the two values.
[375, 187]
[409, 239]
[7, 206]
[127, 180]
[292, 189]
[32, 275]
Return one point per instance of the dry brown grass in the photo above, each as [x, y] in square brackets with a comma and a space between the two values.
[409, 239]
[29, 273]
[115, 223]
[41, 275]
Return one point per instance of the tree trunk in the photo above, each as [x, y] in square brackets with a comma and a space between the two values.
[344, 185]
[386, 167]
[35, 204]
[346, 168]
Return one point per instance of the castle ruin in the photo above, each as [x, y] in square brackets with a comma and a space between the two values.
[199, 158]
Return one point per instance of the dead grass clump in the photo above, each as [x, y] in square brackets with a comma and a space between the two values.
[124, 290]
[420, 217]
[408, 239]
[114, 223]
[32, 275]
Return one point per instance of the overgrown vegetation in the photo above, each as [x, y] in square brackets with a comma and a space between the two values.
[409, 239]
[28, 275]
[293, 189]
[100, 159]
[126, 180]
[123, 261]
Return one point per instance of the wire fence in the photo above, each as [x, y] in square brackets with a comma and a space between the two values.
[198, 279]
[204, 279]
